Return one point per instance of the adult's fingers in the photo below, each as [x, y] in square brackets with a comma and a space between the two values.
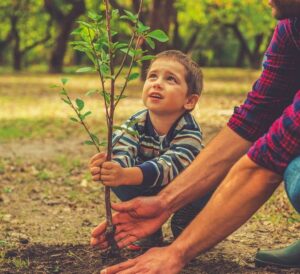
[127, 241]
[125, 206]
[119, 267]
[101, 242]
[100, 229]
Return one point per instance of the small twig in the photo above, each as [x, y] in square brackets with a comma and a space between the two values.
[81, 121]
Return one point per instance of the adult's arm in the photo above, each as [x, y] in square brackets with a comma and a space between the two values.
[243, 191]
[206, 172]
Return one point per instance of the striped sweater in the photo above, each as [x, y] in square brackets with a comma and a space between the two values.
[161, 159]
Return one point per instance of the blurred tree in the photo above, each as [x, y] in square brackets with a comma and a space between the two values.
[243, 26]
[5, 32]
[27, 27]
[215, 32]
[64, 13]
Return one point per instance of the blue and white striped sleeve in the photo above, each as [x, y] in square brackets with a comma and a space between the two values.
[125, 148]
[183, 150]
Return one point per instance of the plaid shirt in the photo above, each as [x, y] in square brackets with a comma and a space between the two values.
[161, 159]
[270, 116]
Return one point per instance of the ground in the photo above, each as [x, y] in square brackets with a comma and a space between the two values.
[48, 203]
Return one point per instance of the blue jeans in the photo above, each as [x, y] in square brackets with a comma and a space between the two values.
[291, 178]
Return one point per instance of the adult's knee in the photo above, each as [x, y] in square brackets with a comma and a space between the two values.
[292, 182]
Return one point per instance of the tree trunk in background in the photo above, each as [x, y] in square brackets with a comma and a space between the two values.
[253, 57]
[161, 15]
[17, 55]
[65, 24]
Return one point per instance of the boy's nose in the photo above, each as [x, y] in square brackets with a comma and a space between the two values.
[157, 83]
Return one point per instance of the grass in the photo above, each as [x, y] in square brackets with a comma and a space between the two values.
[30, 109]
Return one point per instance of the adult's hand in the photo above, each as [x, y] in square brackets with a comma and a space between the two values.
[134, 220]
[154, 261]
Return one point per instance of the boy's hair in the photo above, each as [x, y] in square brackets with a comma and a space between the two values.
[193, 77]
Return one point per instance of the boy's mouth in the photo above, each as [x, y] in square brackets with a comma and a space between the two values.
[155, 95]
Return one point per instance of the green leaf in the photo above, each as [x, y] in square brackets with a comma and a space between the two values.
[118, 128]
[120, 97]
[87, 34]
[132, 17]
[87, 25]
[64, 80]
[80, 48]
[106, 96]
[86, 114]
[147, 57]
[133, 132]
[158, 35]
[89, 143]
[133, 76]
[115, 13]
[90, 56]
[103, 144]
[79, 43]
[94, 16]
[133, 122]
[63, 92]
[95, 138]
[150, 42]
[74, 119]
[54, 86]
[80, 104]
[85, 69]
[141, 28]
[113, 33]
[104, 69]
[130, 53]
[118, 45]
[91, 92]
[76, 31]
[66, 101]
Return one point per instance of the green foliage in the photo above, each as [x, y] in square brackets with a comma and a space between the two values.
[95, 38]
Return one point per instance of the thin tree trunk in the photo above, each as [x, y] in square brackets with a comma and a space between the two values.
[65, 24]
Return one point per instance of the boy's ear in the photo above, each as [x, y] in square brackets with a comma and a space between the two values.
[191, 101]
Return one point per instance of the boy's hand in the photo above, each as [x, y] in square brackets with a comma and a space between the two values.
[112, 174]
[95, 165]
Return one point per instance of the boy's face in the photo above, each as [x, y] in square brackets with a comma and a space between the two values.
[165, 89]
[285, 8]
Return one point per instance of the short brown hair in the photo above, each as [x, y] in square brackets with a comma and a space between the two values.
[193, 77]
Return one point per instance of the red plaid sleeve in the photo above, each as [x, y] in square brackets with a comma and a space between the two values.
[276, 149]
[276, 87]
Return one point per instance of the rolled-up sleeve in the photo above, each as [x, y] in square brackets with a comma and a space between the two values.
[275, 88]
[281, 144]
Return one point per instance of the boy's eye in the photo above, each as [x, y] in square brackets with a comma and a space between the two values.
[152, 75]
[172, 79]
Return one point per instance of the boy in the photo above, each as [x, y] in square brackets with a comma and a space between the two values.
[168, 138]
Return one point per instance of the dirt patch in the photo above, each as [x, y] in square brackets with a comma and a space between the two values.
[84, 259]
[49, 206]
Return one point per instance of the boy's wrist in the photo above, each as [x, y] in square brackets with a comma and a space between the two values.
[132, 176]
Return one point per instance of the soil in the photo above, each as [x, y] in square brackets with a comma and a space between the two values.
[46, 218]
